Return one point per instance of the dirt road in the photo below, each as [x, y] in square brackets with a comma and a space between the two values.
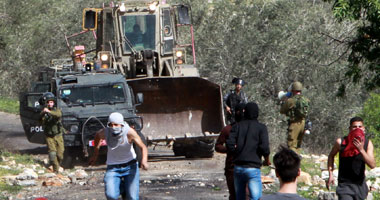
[168, 177]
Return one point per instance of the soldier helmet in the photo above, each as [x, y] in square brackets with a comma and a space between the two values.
[297, 86]
[238, 81]
[48, 96]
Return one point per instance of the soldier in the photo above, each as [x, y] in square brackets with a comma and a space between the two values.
[53, 129]
[296, 108]
[233, 98]
[137, 35]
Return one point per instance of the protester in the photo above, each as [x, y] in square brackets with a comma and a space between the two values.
[220, 147]
[287, 164]
[355, 151]
[122, 167]
[248, 142]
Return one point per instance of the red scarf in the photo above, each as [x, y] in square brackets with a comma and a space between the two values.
[351, 149]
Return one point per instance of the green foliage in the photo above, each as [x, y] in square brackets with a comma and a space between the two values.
[371, 117]
[267, 43]
[216, 188]
[4, 172]
[24, 159]
[346, 9]
[18, 158]
[8, 189]
[9, 105]
[5, 188]
[376, 195]
[307, 194]
[265, 170]
[365, 49]
[270, 44]
[32, 33]
[310, 167]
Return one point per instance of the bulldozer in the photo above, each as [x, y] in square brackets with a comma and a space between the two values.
[151, 44]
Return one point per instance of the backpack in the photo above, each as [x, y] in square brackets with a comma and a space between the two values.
[301, 108]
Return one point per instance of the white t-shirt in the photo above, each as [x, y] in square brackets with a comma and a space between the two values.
[123, 152]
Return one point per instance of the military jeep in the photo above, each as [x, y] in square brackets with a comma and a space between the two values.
[86, 100]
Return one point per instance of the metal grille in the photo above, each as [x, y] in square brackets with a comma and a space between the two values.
[91, 127]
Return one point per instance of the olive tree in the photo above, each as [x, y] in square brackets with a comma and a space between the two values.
[270, 44]
[364, 57]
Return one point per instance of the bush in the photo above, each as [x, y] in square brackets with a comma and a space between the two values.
[371, 117]
[9, 105]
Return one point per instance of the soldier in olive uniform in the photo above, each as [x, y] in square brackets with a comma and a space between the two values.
[296, 121]
[53, 129]
[233, 98]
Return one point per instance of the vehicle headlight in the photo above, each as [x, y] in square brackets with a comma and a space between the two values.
[104, 57]
[179, 61]
[179, 54]
[122, 7]
[74, 128]
[153, 6]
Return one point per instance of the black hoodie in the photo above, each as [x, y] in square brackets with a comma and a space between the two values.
[248, 140]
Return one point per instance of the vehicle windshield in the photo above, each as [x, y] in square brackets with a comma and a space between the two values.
[140, 31]
[110, 94]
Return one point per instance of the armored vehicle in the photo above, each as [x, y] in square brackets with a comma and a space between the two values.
[86, 100]
[151, 44]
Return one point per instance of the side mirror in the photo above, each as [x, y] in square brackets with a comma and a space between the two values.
[139, 98]
[183, 15]
[90, 19]
[136, 123]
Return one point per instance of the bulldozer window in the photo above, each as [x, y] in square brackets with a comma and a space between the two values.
[140, 31]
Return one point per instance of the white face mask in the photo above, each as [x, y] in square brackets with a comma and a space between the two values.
[116, 130]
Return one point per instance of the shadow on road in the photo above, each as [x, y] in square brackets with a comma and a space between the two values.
[34, 151]
[159, 158]
[15, 134]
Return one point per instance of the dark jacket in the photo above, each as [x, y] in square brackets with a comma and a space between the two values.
[221, 148]
[232, 99]
[248, 140]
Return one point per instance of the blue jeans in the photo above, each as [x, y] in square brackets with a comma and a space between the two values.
[250, 176]
[122, 179]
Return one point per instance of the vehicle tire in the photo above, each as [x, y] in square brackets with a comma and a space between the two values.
[179, 149]
[70, 156]
[200, 149]
[137, 149]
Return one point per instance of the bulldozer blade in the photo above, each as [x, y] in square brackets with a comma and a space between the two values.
[179, 106]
